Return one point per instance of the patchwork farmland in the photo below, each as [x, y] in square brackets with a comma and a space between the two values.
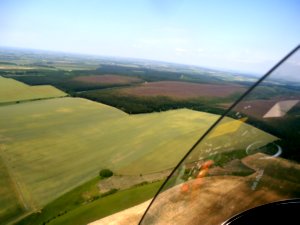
[52, 146]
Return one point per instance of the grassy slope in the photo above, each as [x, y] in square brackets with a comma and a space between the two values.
[108, 205]
[65, 203]
[12, 91]
[78, 199]
[54, 145]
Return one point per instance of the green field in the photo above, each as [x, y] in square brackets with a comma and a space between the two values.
[65, 203]
[108, 205]
[52, 146]
[15, 91]
[74, 207]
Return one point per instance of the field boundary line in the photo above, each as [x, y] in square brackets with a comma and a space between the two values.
[30, 100]
[27, 205]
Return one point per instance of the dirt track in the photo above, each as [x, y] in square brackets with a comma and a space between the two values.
[126, 181]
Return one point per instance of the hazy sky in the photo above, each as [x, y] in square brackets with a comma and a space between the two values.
[249, 35]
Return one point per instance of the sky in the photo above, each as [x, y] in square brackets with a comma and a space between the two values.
[246, 36]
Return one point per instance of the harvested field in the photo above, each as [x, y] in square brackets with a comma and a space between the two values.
[206, 205]
[128, 216]
[182, 90]
[107, 79]
[213, 199]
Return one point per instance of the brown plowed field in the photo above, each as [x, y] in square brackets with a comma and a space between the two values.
[182, 90]
[107, 79]
[258, 108]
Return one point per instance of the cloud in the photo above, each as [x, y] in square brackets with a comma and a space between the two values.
[180, 50]
[163, 41]
[173, 30]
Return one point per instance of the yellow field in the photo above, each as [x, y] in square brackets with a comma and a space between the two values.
[13, 91]
[11, 205]
[15, 67]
